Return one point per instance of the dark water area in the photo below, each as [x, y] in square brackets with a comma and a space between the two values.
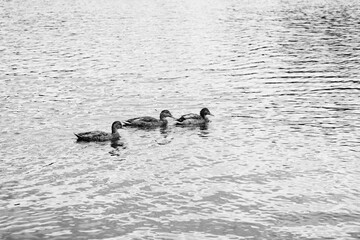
[279, 159]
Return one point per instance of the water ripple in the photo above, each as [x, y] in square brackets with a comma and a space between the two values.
[279, 160]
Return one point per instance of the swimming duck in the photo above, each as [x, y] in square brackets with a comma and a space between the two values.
[99, 136]
[149, 122]
[194, 119]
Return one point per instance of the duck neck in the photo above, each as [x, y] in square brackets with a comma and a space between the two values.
[163, 121]
[205, 117]
[115, 134]
[114, 130]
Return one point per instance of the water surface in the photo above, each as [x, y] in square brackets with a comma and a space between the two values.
[279, 159]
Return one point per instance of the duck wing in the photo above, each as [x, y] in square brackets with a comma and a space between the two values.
[188, 116]
[140, 120]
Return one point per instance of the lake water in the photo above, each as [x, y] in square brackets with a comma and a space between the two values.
[279, 160]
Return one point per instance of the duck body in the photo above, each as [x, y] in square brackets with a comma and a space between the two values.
[189, 116]
[194, 119]
[96, 136]
[100, 136]
[149, 122]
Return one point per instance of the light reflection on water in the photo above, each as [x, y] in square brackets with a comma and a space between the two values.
[277, 161]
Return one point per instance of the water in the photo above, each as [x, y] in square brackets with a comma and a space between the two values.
[278, 161]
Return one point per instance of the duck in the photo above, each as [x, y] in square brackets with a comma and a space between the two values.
[194, 119]
[99, 136]
[149, 122]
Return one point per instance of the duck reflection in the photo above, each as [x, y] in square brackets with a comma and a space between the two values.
[165, 138]
[118, 144]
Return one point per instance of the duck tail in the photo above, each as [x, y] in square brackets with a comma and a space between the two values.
[126, 123]
[178, 123]
[77, 135]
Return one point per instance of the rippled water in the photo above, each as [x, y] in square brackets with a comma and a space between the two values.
[280, 159]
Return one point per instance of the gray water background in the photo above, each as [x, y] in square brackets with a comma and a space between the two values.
[280, 159]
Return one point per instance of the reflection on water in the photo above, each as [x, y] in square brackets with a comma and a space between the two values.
[279, 160]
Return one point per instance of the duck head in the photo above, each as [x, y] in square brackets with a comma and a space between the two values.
[204, 112]
[164, 114]
[115, 126]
